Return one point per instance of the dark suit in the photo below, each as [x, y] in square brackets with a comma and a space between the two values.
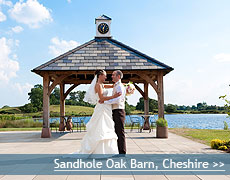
[119, 120]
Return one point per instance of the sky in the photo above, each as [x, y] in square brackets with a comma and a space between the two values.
[192, 36]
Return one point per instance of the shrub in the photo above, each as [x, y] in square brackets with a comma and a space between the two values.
[28, 108]
[12, 117]
[6, 106]
[222, 148]
[161, 122]
[225, 125]
[14, 110]
[55, 114]
[226, 143]
[19, 124]
[219, 144]
[2, 123]
[216, 143]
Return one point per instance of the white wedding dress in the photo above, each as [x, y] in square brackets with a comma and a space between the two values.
[100, 137]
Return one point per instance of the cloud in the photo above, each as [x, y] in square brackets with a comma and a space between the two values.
[17, 29]
[2, 16]
[222, 57]
[69, 1]
[31, 13]
[7, 3]
[8, 64]
[22, 89]
[58, 46]
[200, 70]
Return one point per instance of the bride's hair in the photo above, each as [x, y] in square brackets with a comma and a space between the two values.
[99, 72]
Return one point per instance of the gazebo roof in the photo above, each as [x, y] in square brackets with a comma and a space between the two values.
[102, 53]
[103, 17]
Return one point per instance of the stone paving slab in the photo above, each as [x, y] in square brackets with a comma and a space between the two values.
[137, 143]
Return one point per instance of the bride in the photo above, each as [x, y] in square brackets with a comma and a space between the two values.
[100, 137]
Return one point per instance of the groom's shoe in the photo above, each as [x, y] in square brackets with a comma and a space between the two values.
[119, 155]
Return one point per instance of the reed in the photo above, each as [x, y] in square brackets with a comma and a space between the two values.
[19, 123]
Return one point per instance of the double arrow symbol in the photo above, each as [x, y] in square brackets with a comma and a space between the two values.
[216, 164]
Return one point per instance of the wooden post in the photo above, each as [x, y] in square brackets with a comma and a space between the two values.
[62, 107]
[46, 133]
[146, 106]
[160, 95]
[146, 98]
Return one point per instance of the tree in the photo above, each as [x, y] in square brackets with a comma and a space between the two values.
[73, 97]
[212, 107]
[194, 107]
[55, 97]
[182, 108]
[153, 104]
[28, 108]
[80, 96]
[227, 105]
[170, 108]
[188, 108]
[140, 104]
[202, 106]
[129, 108]
[36, 96]
[76, 98]
[6, 106]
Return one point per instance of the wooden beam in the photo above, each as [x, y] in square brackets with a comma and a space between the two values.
[133, 79]
[69, 90]
[74, 81]
[160, 95]
[62, 100]
[153, 71]
[149, 80]
[146, 90]
[46, 133]
[67, 81]
[146, 106]
[62, 107]
[139, 89]
[56, 82]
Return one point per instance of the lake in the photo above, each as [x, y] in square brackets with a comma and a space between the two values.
[194, 121]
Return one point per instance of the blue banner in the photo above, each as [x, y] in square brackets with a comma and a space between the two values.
[141, 164]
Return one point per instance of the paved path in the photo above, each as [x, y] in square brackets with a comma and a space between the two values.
[137, 143]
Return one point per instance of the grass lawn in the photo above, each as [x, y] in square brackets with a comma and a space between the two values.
[72, 109]
[10, 110]
[54, 109]
[21, 129]
[202, 135]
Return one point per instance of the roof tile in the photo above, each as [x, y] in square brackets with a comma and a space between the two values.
[103, 53]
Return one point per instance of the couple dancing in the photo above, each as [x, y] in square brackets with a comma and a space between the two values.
[105, 130]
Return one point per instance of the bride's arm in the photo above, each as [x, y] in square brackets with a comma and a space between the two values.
[108, 85]
[99, 90]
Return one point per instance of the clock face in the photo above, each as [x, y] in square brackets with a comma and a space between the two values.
[103, 28]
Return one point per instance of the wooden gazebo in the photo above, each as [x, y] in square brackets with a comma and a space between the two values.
[78, 65]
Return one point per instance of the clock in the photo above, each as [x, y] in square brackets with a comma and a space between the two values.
[103, 28]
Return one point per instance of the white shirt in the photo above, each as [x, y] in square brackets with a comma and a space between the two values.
[118, 102]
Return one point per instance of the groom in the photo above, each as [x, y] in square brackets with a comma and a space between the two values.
[118, 106]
